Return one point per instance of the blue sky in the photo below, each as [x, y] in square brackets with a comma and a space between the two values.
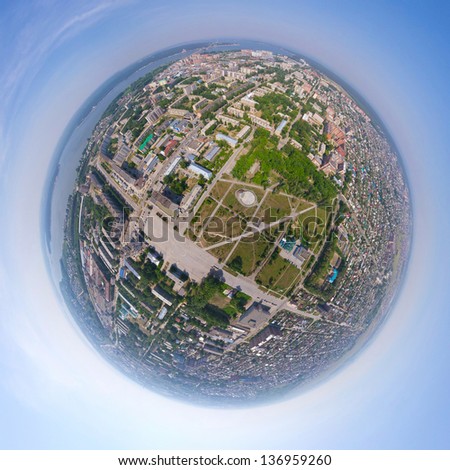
[55, 391]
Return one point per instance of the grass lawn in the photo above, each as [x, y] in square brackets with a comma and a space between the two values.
[323, 214]
[225, 224]
[311, 214]
[311, 228]
[219, 189]
[209, 239]
[251, 252]
[203, 213]
[276, 206]
[287, 278]
[222, 251]
[232, 307]
[302, 205]
[278, 274]
[219, 300]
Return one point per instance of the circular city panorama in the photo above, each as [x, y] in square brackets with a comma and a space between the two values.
[239, 225]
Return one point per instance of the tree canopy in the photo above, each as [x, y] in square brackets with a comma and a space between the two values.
[293, 168]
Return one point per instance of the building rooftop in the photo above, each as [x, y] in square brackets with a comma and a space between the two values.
[227, 139]
[254, 316]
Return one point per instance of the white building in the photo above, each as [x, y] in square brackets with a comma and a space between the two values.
[227, 120]
[172, 166]
[189, 199]
[232, 142]
[261, 122]
[201, 171]
[236, 112]
[242, 132]
[280, 127]
[210, 124]
[249, 101]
